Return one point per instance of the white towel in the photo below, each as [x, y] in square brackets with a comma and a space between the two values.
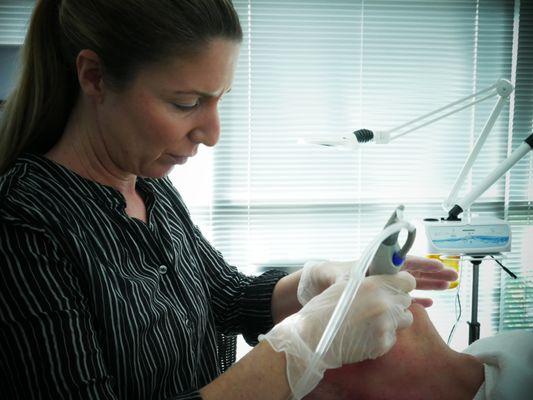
[508, 361]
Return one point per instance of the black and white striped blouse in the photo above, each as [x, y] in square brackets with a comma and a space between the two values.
[95, 304]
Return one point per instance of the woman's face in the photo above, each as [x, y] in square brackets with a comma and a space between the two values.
[167, 111]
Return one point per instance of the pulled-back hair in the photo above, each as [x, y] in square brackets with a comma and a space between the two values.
[126, 34]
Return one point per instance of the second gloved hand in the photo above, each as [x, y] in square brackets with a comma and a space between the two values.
[368, 331]
[317, 276]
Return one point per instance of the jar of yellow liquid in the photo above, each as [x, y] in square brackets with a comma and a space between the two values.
[450, 262]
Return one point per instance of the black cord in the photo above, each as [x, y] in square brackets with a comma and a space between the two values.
[505, 268]
[458, 298]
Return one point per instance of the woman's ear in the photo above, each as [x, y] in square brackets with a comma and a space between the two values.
[90, 74]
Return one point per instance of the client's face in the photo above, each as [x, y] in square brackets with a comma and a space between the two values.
[418, 354]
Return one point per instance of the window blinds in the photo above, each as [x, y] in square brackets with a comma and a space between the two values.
[14, 17]
[516, 306]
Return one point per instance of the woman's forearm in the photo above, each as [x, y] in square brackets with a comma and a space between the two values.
[284, 297]
[259, 375]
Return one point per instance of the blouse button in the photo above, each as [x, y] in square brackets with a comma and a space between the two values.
[163, 269]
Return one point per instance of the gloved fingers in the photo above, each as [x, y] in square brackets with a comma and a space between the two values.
[446, 273]
[433, 284]
[430, 274]
[303, 294]
[325, 300]
[333, 271]
[307, 287]
[417, 263]
[402, 300]
[400, 282]
[398, 315]
[404, 318]
[389, 340]
[344, 269]
[383, 336]
[317, 275]
[435, 280]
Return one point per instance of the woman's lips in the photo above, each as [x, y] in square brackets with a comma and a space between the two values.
[180, 158]
[177, 159]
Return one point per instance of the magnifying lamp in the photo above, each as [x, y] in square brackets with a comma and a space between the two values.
[450, 235]
[502, 88]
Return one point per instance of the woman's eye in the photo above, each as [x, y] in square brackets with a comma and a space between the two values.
[186, 107]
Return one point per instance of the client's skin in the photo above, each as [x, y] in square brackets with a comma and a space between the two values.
[419, 366]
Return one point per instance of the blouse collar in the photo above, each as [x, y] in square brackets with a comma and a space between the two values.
[86, 188]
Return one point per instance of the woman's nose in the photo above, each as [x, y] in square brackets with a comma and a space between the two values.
[207, 130]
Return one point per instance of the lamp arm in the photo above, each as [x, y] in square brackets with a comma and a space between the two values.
[498, 172]
[474, 152]
[456, 110]
[446, 107]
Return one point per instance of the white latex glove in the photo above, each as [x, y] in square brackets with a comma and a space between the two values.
[319, 275]
[430, 274]
[368, 331]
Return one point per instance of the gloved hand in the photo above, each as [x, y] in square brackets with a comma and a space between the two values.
[430, 274]
[317, 276]
[368, 331]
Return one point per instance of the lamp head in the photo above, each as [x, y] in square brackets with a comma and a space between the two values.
[366, 135]
[363, 135]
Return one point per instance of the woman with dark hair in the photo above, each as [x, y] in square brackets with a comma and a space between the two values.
[108, 289]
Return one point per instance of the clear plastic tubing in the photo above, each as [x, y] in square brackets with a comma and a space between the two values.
[356, 276]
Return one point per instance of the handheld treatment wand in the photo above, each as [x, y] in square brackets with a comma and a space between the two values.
[383, 256]
[389, 257]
